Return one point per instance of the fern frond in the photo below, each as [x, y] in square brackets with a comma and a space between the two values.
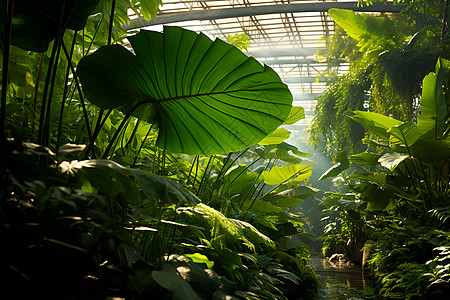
[225, 231]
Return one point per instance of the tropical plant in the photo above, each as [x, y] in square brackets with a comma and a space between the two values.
[405, 189]
[388, 58]
[151, 221]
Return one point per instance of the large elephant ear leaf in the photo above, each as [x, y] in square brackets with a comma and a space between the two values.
[206, 96]
[35, 23]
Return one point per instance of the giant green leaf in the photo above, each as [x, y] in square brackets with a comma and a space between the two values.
[276, 137]
[376, 123]
[433, 108]
[365, 158]
[297, 113]
[431, 150]
[405, 134]
[279, 175]
[206, 96]
[36, 23]
[392, 160]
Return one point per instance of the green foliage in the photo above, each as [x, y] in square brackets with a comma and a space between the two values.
[400, 197]
[388, 59]
[189, 280]
[330, 124]
[35, 25]
[150, 87]
[366, 29]
[239, 40]
[148, 223]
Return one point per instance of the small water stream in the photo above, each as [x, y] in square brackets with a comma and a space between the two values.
[342, 281]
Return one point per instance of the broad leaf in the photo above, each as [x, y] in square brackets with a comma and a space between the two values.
[376, 123]
[365, 158]
[341, 164]
[206, 97]
[431, 150]
[279, 175]
[281, 151]
[276, 137]
[289, 202]
[149, 8]
[392, 160]
[381, 180]
[375, 197]
[200, 259]
[206, 282]
[405, 134]
[36, 23]
[375, 143]
[169, 279]
[433, 114]
[377, 178]
[297, 113]
[265, 207]
[112, 178]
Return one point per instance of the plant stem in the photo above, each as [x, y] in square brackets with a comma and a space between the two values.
[196, 172]
[8, 14]
[272, 160]
[219, 176]
[111, 21]
[251, 188]
[124, 120]
[133, 133]
[444, 21]
[97, 131]
[245, 169]
[77, 85]
[63, 102]
[190, 171]
[204, 174]
[46, 132]
[140, 147]
[36, 89]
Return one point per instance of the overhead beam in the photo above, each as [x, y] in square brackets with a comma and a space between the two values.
[224, 13]
[285, 52]
[289, 61]
[308, 79]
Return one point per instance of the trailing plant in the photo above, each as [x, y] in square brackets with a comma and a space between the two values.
[405, 189]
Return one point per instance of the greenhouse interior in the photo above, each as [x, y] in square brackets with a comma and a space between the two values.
[225, 149]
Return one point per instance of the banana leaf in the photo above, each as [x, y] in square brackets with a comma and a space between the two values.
[433, 114]
[376, 123]
[207, 97]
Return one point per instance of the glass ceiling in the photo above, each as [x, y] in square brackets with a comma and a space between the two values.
[284, 34]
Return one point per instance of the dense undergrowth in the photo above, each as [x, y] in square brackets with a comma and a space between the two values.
[389, 207]
[137, 175]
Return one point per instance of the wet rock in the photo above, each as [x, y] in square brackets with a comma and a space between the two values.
[337, 257]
